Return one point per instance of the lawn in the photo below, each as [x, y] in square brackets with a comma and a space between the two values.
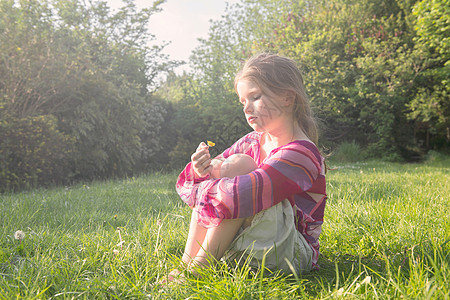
[386, 236]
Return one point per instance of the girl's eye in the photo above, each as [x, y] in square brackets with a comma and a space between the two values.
[257, 97]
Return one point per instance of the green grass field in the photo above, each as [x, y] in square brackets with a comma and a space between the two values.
[386, 236]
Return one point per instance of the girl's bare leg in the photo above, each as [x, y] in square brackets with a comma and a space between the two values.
[195, 239]
[217, 241]
[202, 243]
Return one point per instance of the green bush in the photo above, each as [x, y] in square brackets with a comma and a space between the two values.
[348, 152]
[32, 152]
[437, 158]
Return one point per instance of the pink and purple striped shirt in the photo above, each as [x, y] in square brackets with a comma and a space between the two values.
[294, 171]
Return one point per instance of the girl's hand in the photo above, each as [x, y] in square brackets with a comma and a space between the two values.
[201, 160]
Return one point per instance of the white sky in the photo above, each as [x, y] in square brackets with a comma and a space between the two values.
[181, 22]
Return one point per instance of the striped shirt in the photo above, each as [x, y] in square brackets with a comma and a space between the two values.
[294, 171]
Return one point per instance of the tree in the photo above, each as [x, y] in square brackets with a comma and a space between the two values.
[359, 68]
[430, 108]
[372, 77]
[208, 106]
[88, 67]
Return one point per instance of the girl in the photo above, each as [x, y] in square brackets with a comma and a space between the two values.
[269, 199]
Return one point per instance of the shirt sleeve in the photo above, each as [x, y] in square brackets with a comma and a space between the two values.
[187, 184]
[290, 170]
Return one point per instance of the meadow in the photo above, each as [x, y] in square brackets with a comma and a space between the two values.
[386, 236]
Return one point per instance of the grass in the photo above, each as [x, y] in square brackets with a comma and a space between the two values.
[386, 236]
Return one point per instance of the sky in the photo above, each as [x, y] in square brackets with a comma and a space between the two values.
[181, 22]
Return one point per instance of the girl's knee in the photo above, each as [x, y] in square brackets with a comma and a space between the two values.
[237, 164]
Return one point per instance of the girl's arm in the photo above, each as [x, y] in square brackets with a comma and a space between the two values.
[290, 170]
[188, 181]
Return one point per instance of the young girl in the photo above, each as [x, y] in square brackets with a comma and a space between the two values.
[267, 196]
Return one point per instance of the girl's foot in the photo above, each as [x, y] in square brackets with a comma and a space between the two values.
[174, 277]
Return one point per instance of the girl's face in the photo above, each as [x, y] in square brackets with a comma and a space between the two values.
[264, 113]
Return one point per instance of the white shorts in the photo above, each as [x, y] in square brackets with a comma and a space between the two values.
[272, 234]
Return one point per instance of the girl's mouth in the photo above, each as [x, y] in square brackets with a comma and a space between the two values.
[251, 119]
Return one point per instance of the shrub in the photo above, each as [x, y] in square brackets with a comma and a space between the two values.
[181, 153]
[348, 152]
[155, 136]
[436, 157]
[32, 152]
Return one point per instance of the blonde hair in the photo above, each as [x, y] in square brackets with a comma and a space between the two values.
[278, 75]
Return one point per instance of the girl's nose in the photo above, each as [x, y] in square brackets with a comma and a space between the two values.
[247, 107]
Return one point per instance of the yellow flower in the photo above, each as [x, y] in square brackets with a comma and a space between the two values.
[210, 144]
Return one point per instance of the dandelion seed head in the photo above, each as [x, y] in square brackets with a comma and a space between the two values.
[340, 292]
[19, 235]
[366, 280]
